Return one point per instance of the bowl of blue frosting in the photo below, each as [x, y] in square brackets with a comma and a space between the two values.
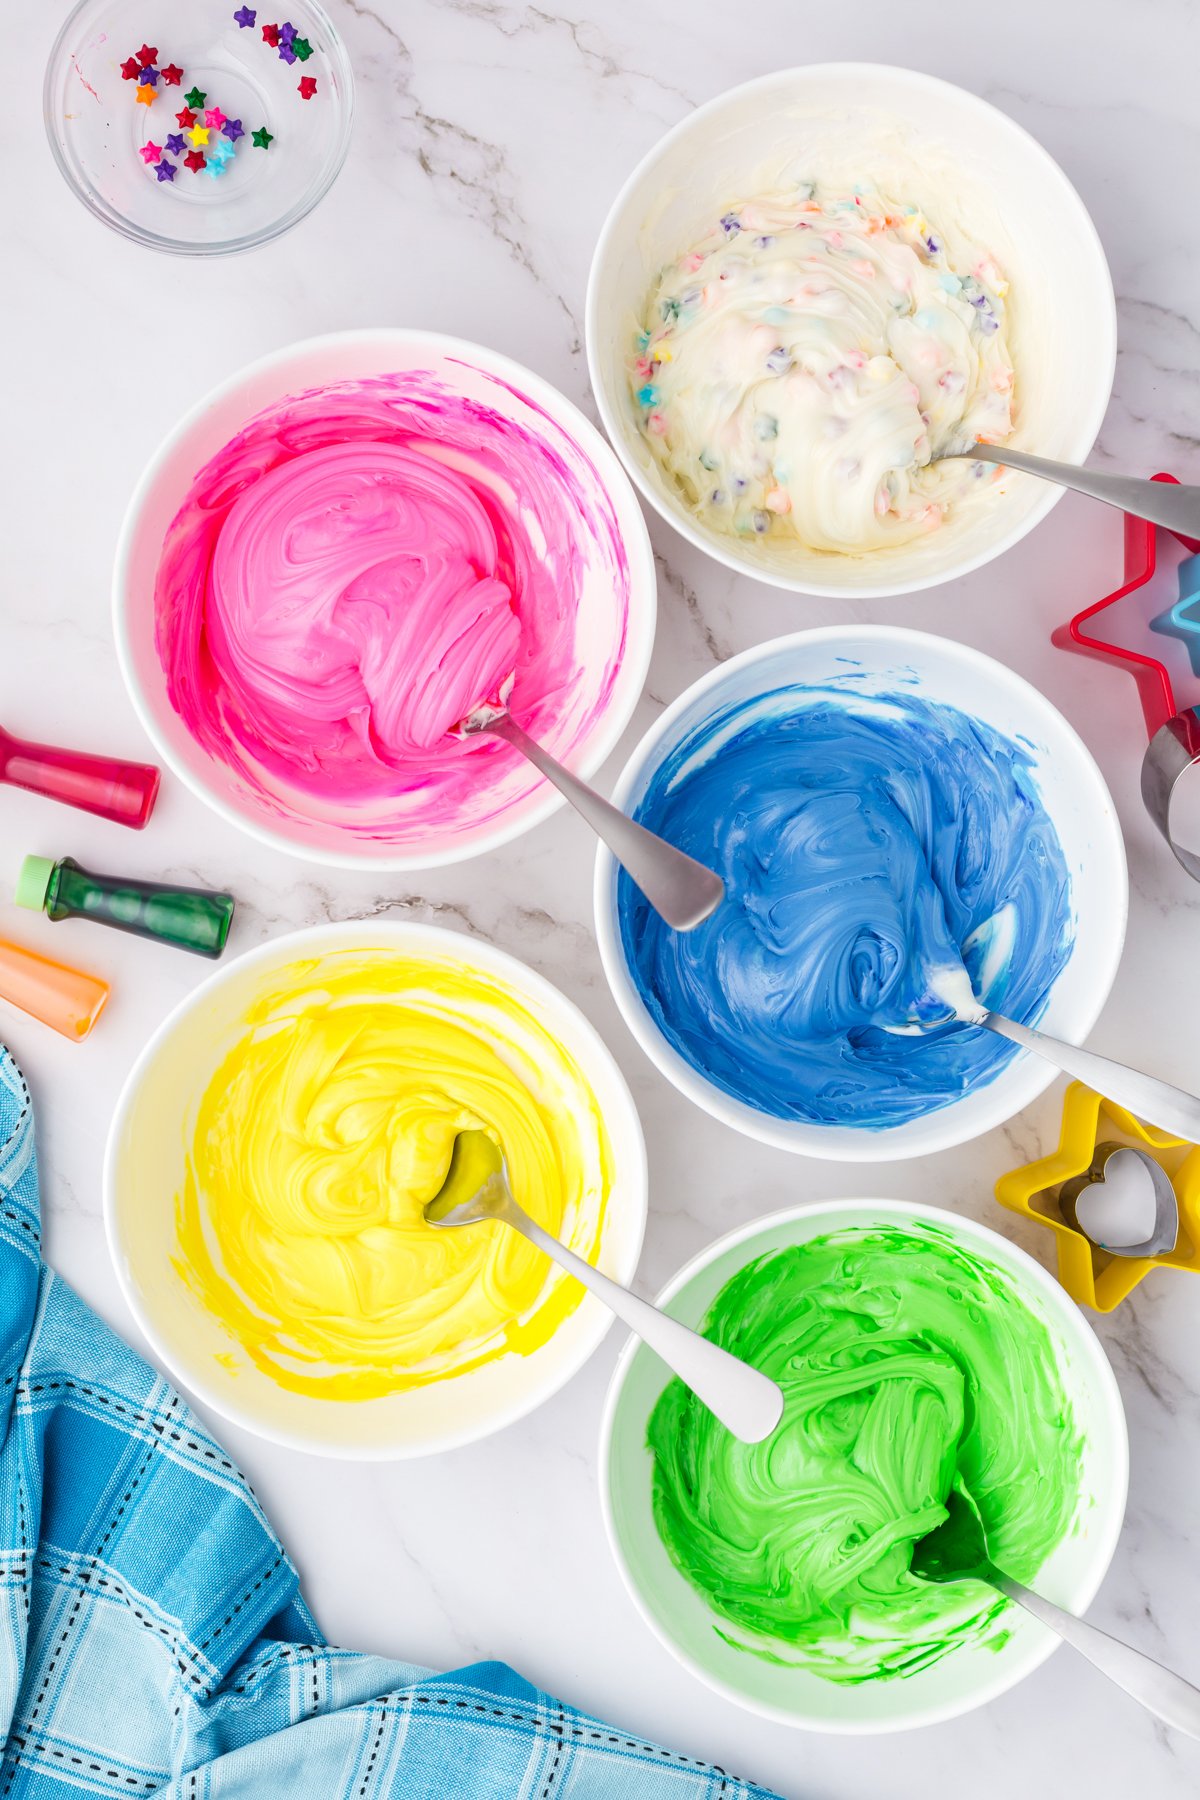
[907, 832]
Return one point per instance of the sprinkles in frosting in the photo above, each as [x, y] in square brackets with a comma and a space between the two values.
[803, 366]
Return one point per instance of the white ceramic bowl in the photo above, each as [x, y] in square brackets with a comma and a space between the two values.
[610, 517]
[874, 659]
[971, 1675]
[144, 1169]
[840, 118]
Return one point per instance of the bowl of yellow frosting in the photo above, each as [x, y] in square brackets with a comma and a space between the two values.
[814, 293]
[271, 1155]
[917, 1351]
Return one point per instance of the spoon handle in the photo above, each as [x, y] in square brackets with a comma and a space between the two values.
[1157, 1102]
[749, 1403]
[1167, 503]
[677, 886]
[1167, 1695]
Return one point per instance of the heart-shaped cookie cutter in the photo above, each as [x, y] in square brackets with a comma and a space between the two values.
[1092, 1275]
[1164, 1234]
[1174, 732]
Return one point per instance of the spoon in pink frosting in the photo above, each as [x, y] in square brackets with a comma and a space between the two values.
[677, 886]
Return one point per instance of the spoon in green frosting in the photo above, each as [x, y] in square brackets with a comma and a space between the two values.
[476, 1189]
[958, 1551]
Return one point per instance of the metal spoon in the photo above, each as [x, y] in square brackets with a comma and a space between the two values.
[1157, 1102]
[476, 1188]
[1167, 503]
[958, 1551]
[677, 886]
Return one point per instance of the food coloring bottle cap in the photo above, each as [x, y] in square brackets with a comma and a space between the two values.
[33, 883]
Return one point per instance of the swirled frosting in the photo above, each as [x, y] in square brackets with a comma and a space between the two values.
[359, 568]
[801, 368]
[872, 851]
[907, 1362]
[325, 1131]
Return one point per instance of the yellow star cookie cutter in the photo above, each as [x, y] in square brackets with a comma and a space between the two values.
[1093, 1276]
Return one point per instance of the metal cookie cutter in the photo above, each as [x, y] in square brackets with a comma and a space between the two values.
[1174, 732]
[1164, 1233]
[1048, 1191]
[1171, 752]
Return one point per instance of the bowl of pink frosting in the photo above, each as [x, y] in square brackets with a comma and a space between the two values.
[343, 551]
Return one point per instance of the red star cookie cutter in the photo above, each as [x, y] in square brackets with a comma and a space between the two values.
[1173, 732]
[1154, 687]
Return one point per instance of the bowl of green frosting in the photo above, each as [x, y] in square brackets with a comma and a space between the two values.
[916, 1350]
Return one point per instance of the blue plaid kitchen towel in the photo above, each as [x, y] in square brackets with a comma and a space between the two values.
[153, 1639]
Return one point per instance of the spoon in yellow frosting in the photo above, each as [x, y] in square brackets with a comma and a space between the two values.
[476, 1188]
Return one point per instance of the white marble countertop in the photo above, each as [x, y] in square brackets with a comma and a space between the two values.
[489, 141]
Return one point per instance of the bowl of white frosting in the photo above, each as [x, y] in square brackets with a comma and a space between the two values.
[819, 289]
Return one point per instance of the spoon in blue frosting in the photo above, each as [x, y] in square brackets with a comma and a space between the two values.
[1168, 1108]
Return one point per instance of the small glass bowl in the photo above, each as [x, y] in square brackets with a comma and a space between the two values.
[97, 127]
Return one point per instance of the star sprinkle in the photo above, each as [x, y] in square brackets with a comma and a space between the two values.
[307, 87]
[215, 117]
[130, 69]
[172, 74]
[165, 170]
[196, 97]
[287, 32]
[271, 35]
[194, 159]
[302, 47]
[216, 166]
[149, 75]
[261, 138]
[221, 153]
[244, 17]
[146, 95]
[185, 118]
[147, 55]
[150, 152]
[286, 53]
[233, 130]
[200, 135]
[175, 143]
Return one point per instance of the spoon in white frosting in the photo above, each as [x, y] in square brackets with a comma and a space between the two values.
[1157, 1102]
[1166, 503]
[678, 887]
